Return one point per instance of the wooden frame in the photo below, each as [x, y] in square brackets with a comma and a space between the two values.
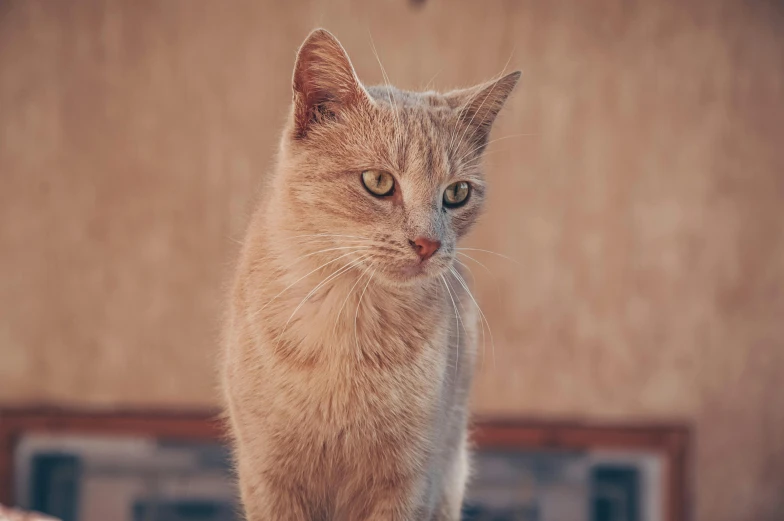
[671, 442]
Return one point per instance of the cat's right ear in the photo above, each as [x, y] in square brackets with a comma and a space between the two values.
[324, 82]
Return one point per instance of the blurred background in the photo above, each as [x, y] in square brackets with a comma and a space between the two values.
[638, 182]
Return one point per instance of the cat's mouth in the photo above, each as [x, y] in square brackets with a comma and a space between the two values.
[406, 269]
[417, 270]
[414, 269]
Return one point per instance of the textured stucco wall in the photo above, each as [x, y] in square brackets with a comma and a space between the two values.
[645, 203]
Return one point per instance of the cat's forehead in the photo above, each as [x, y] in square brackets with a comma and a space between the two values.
[426, 118]
[386, 94]
[418, 127]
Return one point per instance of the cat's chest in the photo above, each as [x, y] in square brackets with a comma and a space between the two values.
[360, 369]
[358, 376]
[338, 360]
[357, 333]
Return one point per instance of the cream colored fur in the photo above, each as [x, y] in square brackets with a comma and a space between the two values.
[347, 369]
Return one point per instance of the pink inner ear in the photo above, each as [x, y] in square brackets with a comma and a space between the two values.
[324, 81]
[478, 106]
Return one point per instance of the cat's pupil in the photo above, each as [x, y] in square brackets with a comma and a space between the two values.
[456, 193]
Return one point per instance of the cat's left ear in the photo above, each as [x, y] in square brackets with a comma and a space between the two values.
[324, 82]
[477, 107]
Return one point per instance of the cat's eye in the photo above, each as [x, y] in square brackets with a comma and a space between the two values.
[378, 182]
[456, 194]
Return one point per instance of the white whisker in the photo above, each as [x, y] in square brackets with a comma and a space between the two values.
[459, 304]
[357, 248]
[359, 303]
[488, 251]
[468, 269]
[301, 278]
[492, 275]
[351, 290]
[431, 80]
[475, 149]
[481, 313]
[462, 321]
[458, 323]
[330, 235]
[326, 280]
[398, 126]
[476, 160]
[456, 128]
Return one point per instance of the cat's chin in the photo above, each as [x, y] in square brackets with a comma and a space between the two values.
[411, 275]
[414, 270]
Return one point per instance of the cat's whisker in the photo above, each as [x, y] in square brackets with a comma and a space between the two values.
[327, 240]
[431, 80]
[351, 243]
[330, 235]
[355, 247]
[398, 126]
[358, 241]
[359, 303]
[473, 279]
[492, 275]
[478, 307]
[461, 308]
[456, 128]
[468, 269]
[476, 149]
[301, 257]
[350, 291]
[311, 254]
[333, 276]
[458, 323]
[482, 323]
[473, 259]
[491, 252]
[476, 160]
[301, 279]
[321, 284]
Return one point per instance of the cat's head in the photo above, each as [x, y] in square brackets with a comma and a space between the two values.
[379, 174]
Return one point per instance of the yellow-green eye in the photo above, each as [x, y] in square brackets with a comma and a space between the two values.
[456, 194]
[378, 182]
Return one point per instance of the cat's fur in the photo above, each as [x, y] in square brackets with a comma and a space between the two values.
[349, 403]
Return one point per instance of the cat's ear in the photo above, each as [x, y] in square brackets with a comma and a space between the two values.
[324, 82]
[477, 107]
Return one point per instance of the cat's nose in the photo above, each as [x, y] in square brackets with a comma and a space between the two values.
[425, 247]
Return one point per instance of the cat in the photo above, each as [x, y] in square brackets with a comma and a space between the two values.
[351, 337]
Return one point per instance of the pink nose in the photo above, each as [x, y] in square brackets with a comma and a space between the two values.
[425, 247]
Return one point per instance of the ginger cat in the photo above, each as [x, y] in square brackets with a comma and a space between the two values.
[347, 369]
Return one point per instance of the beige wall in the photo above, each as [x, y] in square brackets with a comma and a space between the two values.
[646, 205]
